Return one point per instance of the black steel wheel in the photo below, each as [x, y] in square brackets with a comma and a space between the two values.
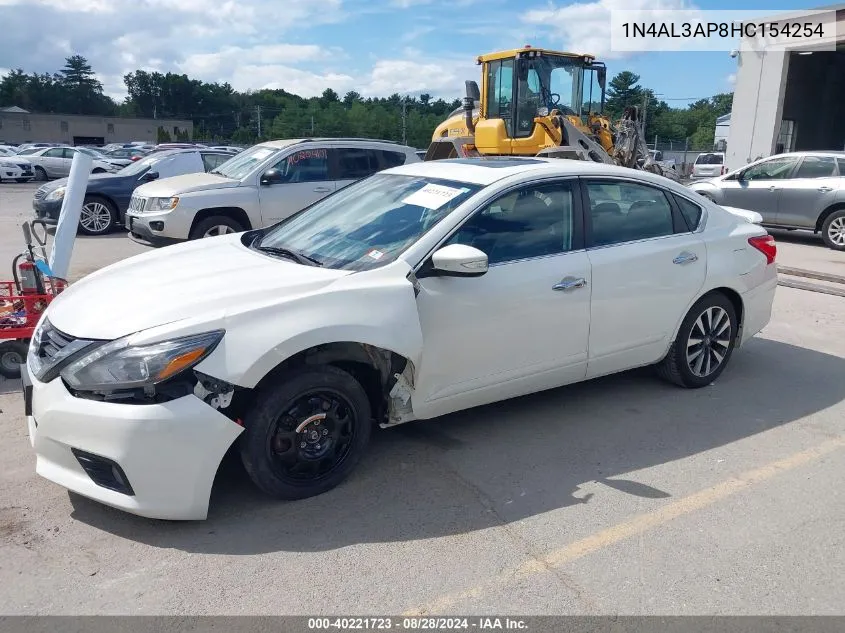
[306, 433]
[704, 344]
[12, 356]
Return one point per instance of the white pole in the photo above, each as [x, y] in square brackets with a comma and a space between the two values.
[68, 223]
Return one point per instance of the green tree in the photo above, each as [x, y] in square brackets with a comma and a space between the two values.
[162, 135]
[623, 91]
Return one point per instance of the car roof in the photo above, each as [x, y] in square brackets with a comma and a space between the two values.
[487, 170]
[815, 152]
[287, 142]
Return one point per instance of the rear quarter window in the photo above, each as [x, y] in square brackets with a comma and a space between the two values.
[692, 212]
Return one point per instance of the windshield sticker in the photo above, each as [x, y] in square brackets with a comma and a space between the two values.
[307, 154]
[375, 254]
[433, 196]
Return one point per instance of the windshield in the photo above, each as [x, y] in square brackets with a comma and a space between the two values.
[142, 165]
[90, 152]
[31, 150]
[242, 164]
[369, 223]
[709, 159]
[551, 82]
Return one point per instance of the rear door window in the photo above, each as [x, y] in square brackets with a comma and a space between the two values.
[390, 159]
[816, 167]
[213, 161]
[354, 163]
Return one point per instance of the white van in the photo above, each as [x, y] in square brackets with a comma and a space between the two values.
[256, 188]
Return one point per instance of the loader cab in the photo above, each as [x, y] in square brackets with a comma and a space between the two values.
[523, 84]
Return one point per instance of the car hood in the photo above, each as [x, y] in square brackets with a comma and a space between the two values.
[209, 279]
[187, 183]
[16, 160]
[750, 216]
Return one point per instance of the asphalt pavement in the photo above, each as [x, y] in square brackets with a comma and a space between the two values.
[622, 495]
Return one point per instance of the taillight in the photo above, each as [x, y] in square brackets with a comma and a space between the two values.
[766, 245]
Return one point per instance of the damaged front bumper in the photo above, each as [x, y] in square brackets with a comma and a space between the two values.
[153, 460]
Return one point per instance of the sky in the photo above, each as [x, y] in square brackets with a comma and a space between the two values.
[375, 47]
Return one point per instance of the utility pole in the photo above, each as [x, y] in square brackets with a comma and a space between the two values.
[258, 114]
[312, 126]
[645, 109]
[404, 125]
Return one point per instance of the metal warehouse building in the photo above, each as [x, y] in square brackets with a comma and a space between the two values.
[789, 100]
[19, 126]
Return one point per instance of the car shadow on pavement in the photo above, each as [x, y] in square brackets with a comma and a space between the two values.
[505, 462]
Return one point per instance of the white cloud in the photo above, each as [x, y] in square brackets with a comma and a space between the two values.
[584, 27]
[731, 79]
[405, 4]
[439, 77]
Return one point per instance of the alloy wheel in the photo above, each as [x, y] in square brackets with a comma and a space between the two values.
[709, 341]
[220, 229]
[836, 231]
[95, 217]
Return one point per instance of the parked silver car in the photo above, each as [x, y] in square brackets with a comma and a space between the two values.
[798, 190]
[55, 162]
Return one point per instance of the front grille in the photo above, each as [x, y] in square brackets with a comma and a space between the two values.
[25, 167]
[40, 193]
[54, 349]
[104, 472]
[137, 204]
[52, 342]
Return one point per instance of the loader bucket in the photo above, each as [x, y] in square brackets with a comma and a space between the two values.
[451, 147]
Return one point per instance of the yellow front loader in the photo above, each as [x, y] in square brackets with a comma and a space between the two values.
[538, 102]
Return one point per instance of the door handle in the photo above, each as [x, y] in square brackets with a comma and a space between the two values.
[772, 188]
[322, 189]
[570, 283]
[685, 258]
[825, 189]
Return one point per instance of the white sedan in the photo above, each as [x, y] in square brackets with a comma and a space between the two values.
[425, 289]
[15, 168]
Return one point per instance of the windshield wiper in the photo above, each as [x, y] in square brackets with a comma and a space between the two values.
[217, 173]
[300, 258]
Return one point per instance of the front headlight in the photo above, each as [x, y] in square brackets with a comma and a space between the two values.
[117, 365]
[161, 204]
[8, 165]
[56, 194]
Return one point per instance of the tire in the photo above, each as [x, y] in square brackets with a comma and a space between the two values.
[270, 454]
[833, 230]
[98, 216]
[215, 225]
[688, 372]
[12, 356]
[40, 174]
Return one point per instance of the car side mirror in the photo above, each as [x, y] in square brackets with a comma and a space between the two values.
[459, 260]
[151, 175]
[271, 177]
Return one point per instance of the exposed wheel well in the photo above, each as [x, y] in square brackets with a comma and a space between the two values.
[373, 367]
[734, 298]
[104, 198]
[824, 215]
[235, 213]
[98, 170]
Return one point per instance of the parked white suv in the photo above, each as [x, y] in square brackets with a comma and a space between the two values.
[256, 188]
